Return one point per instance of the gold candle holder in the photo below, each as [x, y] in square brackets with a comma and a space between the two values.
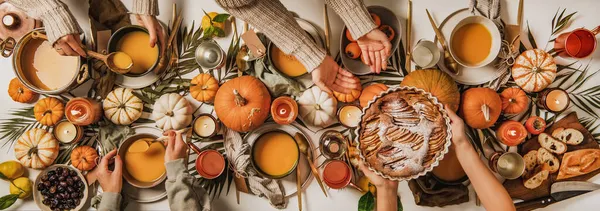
[554, 100]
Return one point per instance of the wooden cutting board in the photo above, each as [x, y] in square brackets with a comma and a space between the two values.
[515, 187]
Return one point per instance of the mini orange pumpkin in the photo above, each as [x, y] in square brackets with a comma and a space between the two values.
[389, 31]
[19, 93]
[514, 100]
[48, 111]
[376, 19]
[204, 87]
[481, 107]
[243, 103]
[84, 158]
[353, 51]
[350, 97]
[370, 92]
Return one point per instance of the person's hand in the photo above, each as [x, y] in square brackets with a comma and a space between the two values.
[154, 29]
[379, 182]
[69, 45]
[330, 76]
[110, 181]
[176, 147]
[376, 49]
[459, 136]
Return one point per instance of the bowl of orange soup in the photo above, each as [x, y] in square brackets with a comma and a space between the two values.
[475, 42]
[135, 42]
[275, 154]
[143, 160]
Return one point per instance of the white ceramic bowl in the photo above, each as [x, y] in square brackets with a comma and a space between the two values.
[494, 32]
[37, 195]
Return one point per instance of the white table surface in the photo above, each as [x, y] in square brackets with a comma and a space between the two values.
[538, 13]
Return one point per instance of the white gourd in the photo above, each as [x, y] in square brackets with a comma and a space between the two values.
[534, 70]
[122, 107]
[36, 148]
[172, 112]
[317, 107]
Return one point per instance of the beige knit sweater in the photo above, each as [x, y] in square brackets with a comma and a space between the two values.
[278, 24]
[58, 19]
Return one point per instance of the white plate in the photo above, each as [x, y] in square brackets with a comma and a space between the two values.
[289, 182]
[387, 17]
[467, 76]
[37, 195]
[144, 195]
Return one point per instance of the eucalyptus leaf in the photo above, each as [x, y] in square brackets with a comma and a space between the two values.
[366, 202]
[8, 200]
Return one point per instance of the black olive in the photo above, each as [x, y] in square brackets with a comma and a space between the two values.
[47, 183]
[62, 178]
[44, 177]
[41, 187]
[45, 192]
[73, 173]
[65, 195]
[55, 209]
[54, 202]
[79, 184]
[74, 195]
[69, 181]
[70, 189]
[52, 178]
[65, 173]
[53, 189]
[51, 173]
[75, 178]
[60, 189]
[60, 169]
[46, 202]
[62, 183]
[77, 201]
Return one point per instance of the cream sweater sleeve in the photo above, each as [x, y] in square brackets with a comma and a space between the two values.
[278, 24]
[59, 21]
[183, 190]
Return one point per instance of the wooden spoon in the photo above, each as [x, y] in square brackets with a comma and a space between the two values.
[109, 59]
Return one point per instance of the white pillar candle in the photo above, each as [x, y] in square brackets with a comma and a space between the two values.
[65, 132]
[349, 115]
[205, 126]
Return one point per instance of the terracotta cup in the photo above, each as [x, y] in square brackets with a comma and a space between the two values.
[337, 174]
[579, 43]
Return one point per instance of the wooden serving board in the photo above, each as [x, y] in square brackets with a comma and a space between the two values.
[515, 187]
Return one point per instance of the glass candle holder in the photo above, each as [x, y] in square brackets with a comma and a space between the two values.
[206, 126]
[554, 100]
[67, 132]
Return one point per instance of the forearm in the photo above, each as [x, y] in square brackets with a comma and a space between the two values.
[492, 194]
[145, 7]
[110, 202]
[183, 190]
[386, 198]
[354, 14]
[278, 24]
[55, 15]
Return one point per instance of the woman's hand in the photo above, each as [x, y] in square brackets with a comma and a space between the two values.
[69, 45]
[459, 136]
[330, 76]
[154, 28]
[379, 182]
[376, 49]
[111, 181]
[176, 147]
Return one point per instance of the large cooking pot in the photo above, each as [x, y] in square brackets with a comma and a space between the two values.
[113, 43]
[80, 68]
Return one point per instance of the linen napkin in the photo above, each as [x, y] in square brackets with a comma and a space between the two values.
[238, 153]
[427, 191]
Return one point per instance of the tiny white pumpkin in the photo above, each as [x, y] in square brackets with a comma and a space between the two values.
[172, 112]
[317, 107]
[36, 148]
[122, 107]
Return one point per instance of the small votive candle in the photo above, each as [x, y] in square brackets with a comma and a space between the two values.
[66, 132]
[349, 115]
[205, 126]
[554, 99]
[83, 111]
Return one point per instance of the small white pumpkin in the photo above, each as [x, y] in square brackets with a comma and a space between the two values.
[317, 107]
[36, 148]
[122, 107]
[172, 112]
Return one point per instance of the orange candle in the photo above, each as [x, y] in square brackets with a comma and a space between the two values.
[557, 100]
[284, 110]
[83, 111]
[511, 133]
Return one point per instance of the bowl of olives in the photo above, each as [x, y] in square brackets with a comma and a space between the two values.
[60, 187]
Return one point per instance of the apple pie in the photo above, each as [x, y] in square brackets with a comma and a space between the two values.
[404, 133]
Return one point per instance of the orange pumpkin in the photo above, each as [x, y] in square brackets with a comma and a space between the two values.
[48, 111]
[284, 110]
[84, 158]
[436, 82]
[514, 100]
[371, 92]
[204, 87]
[534, 70]
[19, 93]
[481, 107]
[243, 103]
[350, 97]
[511, 133]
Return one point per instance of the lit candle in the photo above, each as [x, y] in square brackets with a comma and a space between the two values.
[511, 133]
[349, 115]
[66, 132]
[205, 126]
[554, 99]
[83, 111]
[284, 110]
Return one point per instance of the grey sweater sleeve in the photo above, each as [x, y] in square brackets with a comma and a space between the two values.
[110, 202]
[60, 22]
[183, 190]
